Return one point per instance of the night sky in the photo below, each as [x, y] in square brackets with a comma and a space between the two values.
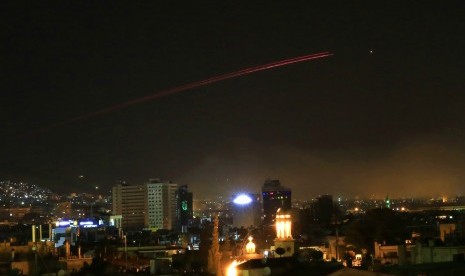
[384, 115]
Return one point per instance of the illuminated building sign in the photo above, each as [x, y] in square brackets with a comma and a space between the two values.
[73, 223]
[65, 223]
[62, 223]
[87, 224]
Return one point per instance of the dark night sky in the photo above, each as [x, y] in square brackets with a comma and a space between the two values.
[358, 123]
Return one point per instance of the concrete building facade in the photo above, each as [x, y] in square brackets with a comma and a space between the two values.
[129, 201]
[151, 205]
[161, 204]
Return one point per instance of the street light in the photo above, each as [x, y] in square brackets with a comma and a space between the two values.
[126, 250]
[34, 249]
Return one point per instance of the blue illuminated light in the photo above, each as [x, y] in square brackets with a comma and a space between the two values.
[242, 199]
[87, 224]
[63, 223]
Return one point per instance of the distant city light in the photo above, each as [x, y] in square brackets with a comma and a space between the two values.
[242, 199]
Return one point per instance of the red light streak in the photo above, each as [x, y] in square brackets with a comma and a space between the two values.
[185, 87]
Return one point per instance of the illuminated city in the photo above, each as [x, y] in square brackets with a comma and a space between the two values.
[71, 225]
[232, 138]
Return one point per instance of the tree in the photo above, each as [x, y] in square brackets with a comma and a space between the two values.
[316, 255]
[380, 225]
[309, 255]
[14, 272]
[280, 251]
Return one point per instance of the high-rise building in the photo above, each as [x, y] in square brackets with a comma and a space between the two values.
[184, 208]
[129, 201]
[151, 205]
[274, 197]
[161, 204]
[246, 210]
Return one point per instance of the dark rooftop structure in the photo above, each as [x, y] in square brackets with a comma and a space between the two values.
[290, 266]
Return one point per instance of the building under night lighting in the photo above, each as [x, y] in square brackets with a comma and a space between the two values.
[151, 205]
[129, 202]
[274, 197]
[161, 204]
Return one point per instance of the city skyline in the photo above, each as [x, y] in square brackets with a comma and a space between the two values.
[384, 115]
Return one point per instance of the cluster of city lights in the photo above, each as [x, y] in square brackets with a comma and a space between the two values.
[20, 194]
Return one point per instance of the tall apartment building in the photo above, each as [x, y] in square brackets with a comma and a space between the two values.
[129, 201]
[161, 204]
[274, 197]
[151, 205]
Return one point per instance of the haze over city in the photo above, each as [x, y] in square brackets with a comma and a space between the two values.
[383, 115]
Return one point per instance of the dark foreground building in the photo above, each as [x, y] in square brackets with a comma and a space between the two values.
[184, 209]
[286, 266]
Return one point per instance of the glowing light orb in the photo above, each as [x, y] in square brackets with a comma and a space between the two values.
[242, 199]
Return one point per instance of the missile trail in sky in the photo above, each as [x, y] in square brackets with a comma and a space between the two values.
[181, 88]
